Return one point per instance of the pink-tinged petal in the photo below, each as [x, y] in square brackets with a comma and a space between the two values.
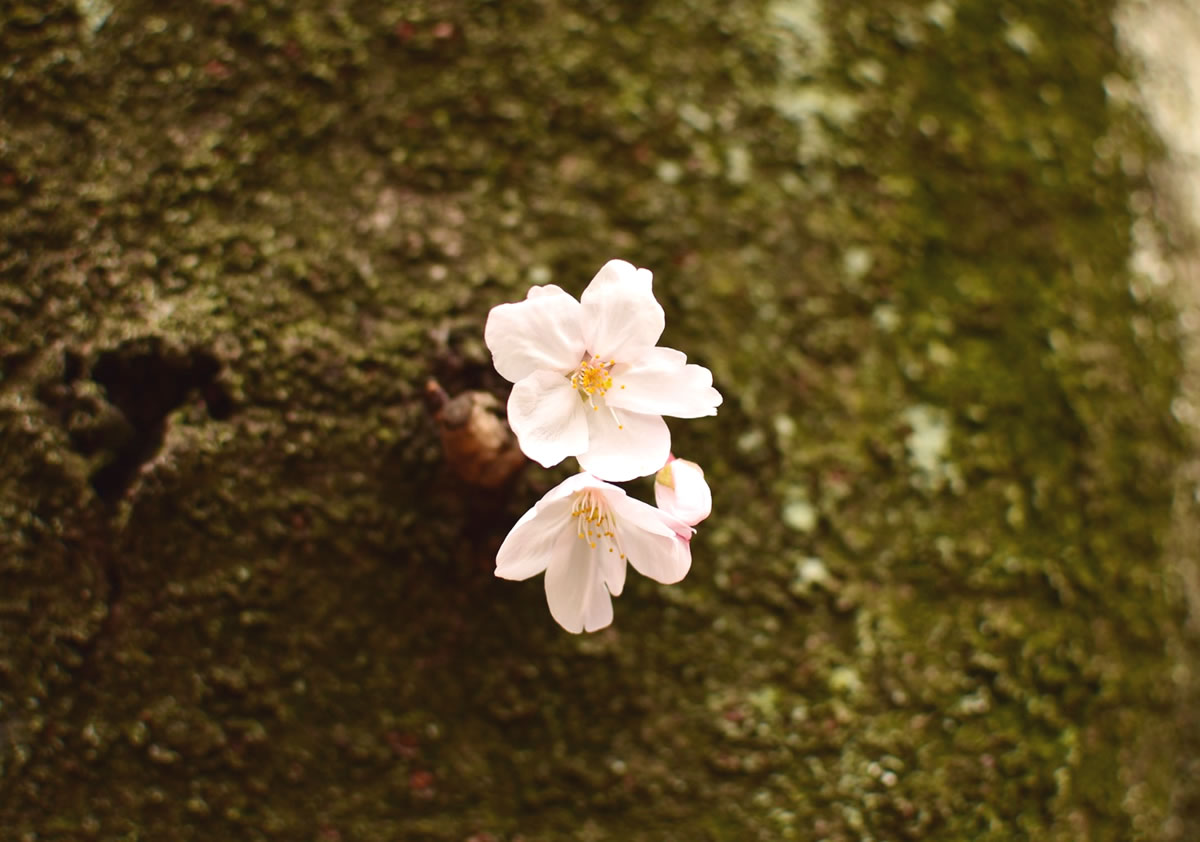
[632, 512]
[659, 383]
[600, 610]
[665, 560]
[575, 591]
[576, 482]
[612, 568]
[624, 447]
[532, 543]
[620, 317]
[646, 517]
[541, 332]
[548, 418]
[680, 490]
[651, 542]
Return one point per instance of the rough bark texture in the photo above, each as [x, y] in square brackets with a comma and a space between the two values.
[243, 598]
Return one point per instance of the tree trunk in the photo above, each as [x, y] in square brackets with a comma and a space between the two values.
[245, 596]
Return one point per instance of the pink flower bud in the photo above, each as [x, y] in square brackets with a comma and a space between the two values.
[680, 491]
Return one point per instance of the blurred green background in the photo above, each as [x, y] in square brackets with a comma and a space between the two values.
[242, 597]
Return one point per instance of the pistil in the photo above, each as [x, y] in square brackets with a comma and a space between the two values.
[593, 379]
[593, 376]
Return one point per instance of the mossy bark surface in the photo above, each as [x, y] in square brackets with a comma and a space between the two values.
[242, 596]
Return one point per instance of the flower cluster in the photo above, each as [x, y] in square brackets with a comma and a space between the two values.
[590, 381]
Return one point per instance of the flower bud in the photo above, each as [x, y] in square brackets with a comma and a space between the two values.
[681, 491]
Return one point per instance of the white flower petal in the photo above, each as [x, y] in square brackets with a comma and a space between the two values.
[665, 560]
[632, 512]
[531, 544]
[548, 418]
[650, 541]
[613, 569]
[612, 566]
[628, 446]
[662, 357]
[599, 613]
[621, 317]
[540, 291]
[573, 483]
[541, 332]
[575, 591]
[680, 490]
[658, 383]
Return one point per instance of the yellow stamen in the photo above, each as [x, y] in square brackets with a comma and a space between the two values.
[596, 523]
[593, 376]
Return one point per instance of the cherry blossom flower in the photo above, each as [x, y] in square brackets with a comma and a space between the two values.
[681, 491]
[581, 534]
[588, 378]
